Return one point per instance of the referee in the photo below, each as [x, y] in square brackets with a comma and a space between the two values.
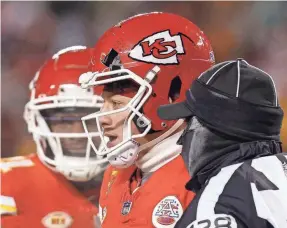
[232, 149]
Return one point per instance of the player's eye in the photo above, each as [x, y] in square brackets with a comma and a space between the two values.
[62, 119]
[117, 104]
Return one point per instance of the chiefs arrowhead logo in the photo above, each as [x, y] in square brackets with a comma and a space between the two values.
[159, 48]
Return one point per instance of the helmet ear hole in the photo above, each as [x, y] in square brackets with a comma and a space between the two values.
[175, 88]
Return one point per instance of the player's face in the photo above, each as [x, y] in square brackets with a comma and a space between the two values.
[70, 122]
[113, 124]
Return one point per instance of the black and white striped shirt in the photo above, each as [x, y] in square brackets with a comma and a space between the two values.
[252, 194]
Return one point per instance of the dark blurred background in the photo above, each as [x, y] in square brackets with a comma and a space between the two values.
[33, 31]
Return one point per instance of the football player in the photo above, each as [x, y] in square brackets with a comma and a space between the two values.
[59, 185]
[139, 64]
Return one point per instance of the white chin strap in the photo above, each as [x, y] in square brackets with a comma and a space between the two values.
[128, 153]
[69, 167]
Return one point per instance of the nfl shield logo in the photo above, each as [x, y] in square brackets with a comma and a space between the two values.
[126, 207]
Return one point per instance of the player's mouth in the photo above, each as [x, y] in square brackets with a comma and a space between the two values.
[113, 140]
[73, 151]
[75, 146]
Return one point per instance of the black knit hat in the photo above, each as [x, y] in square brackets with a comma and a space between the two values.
[234, 98]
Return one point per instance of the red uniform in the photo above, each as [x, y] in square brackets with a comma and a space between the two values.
[159, 202]
[43, 198]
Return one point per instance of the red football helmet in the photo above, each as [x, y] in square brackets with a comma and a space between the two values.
[55, 88]
[158, 51]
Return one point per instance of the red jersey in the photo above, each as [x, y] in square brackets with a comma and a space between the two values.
[42, 197]
[159, 202]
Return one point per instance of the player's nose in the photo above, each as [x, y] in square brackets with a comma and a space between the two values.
[77, 127]
[105, 121]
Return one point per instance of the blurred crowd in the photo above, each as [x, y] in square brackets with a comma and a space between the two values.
[33, 31]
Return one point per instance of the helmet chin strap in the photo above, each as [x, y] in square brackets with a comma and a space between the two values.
[127, 155]
[69, 168]
[161, 137]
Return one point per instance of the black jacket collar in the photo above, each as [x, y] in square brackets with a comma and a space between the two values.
[246, 151]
